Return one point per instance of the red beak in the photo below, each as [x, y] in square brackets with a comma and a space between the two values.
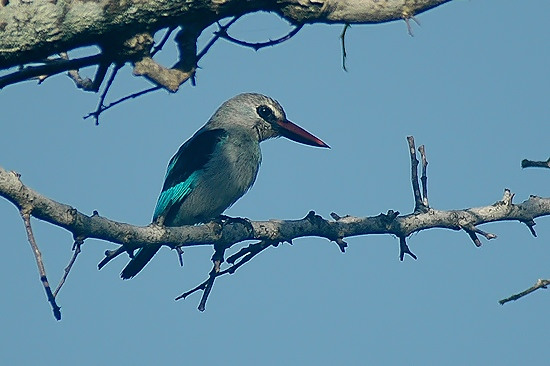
[298, 134]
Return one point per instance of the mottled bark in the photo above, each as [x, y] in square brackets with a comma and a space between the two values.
[31, 31]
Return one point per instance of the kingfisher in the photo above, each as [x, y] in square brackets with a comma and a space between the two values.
[218, 164]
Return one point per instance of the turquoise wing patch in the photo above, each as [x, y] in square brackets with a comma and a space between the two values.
[174, 195]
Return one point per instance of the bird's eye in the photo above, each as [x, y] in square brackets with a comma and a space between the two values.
[266, 113]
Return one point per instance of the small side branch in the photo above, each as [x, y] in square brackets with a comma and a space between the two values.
[258, 45]
[100, 106]
[407, 16]
[76, 251]
[418, 201]
[472, 232]
[25, 214]
[102, 109]
[163, 41]
[50, 67]
[110, 255]
[404, 249]
[245, 255]
[424, 177]
[535, 164]
[539, 284]
[343, 40]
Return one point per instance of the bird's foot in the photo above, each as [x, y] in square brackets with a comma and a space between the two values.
[224, 220]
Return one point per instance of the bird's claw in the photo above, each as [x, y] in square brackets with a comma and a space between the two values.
[224, 220]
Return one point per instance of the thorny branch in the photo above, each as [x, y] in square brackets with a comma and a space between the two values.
[102, 108]
[245, 255]
[130, 40]
[258, 45]
[268, 233]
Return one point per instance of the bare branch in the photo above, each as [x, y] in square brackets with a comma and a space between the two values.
[162, 42]
[424, 177]
[124, 33]
[133, 237]
[531, 225]
[404, 249]
[76, 251]
[407, 18]
[245, 255]
[81, 83]
[225, 232]
[539, 284]
[25, 215]
[258, 45]
[343, 40]
[221, 28]
[418, 201]
[535, 164]
[101, 107]
[110, 255]
[50, 67]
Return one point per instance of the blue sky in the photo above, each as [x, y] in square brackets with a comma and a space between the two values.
[472, 85]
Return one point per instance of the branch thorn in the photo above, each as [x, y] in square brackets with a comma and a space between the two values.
[404, 249]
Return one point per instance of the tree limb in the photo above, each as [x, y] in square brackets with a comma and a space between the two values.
[133, 237]
[40, 263]
[223, 234]
[32, 31]
[538, 285]
[535, 164]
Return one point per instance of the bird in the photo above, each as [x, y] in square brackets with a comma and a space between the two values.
[218, 165]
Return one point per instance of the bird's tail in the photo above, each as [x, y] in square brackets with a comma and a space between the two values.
[139, 261]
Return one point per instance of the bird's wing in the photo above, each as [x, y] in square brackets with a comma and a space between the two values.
[184, 168]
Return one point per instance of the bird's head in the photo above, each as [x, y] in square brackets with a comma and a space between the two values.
[264, 116]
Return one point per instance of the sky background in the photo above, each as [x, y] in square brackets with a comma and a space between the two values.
[472, 85]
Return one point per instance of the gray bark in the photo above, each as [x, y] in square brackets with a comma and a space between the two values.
[33, 30]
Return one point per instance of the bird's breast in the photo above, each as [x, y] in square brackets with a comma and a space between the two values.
[230, 172]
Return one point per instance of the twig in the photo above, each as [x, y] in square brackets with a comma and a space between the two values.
[51, 67]
[40, 264]
[343, 39]
[245, 254]
[100, 76]
[531, 225]
[257, 45]
[85, 84]
[222, 28]
[539, 284]
[133, 237]
[406, 17]
[180, 255]
[208, 287]
[110, 255]
[535, 164]
[110, 105]
[472, 232]
[418, 202]
[424, 177]
[404, 249]
[76, 251]
[159, 46]
[100, 106]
